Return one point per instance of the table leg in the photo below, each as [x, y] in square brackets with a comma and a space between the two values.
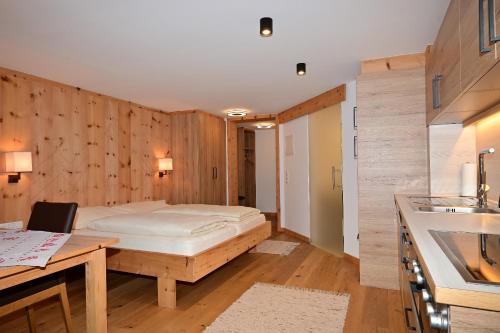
[96, 296]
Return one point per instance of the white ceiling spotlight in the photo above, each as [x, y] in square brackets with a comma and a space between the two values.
[236, 113]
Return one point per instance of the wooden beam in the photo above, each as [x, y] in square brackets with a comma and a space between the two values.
[253, 118]
[408, 61]
[326, 99]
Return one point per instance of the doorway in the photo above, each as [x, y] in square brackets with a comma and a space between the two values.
[247, 191]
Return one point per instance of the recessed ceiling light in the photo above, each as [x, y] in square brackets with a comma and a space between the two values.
[264, 125]
[301, 69]
[236, 113]
[266, 27]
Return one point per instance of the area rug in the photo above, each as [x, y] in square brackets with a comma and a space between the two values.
[275, 247]
[274, 308]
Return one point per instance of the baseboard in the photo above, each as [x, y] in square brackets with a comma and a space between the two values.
[296, 235]
[351, 259]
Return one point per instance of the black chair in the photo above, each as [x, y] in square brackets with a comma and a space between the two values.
[52, 217]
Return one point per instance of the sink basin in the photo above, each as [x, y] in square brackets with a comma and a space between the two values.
[457, 210]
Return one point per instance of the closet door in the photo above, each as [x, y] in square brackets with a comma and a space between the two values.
[220, 161]
[213, 160]
[186, 156]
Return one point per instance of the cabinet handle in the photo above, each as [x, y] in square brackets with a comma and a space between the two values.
[482, 48]
[216, 173]
[407, 320]
[355, 146]
[436, 96]
[355, 117]
[333, 178]
[491, 15]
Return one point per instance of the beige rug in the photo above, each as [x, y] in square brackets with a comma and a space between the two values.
[273, 308]
[275, 247]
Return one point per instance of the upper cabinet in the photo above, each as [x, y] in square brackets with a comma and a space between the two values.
[477, 55]
[464, 54]
[444, 70]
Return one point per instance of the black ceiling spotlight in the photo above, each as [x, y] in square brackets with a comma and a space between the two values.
[266, 27]
[301, 68]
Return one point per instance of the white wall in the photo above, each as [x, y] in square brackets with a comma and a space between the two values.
[350, 173]
[295, 212]
[450, 146]
[265, 169]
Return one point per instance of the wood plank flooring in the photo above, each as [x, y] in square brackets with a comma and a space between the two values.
[132, 299]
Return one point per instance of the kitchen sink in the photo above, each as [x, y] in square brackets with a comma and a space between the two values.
[450, 205]
[457, 210]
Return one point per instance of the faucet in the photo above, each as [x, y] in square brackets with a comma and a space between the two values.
[482, 188]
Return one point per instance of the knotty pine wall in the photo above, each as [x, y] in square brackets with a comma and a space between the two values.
[86, 147]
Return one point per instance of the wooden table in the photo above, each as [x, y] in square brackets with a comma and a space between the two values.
[90, 251]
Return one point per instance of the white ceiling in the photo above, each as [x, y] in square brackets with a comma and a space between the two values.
[177, 55]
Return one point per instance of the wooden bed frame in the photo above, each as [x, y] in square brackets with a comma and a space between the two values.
[168, 268]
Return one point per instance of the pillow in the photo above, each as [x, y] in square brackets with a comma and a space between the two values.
[84, 215]
[142, 206]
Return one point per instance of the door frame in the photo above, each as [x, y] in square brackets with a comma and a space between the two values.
[320, 102]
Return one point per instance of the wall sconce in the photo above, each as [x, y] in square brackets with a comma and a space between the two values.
[165, 165]
[15, 162]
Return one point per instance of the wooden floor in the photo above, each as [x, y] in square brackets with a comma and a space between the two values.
[132, 299]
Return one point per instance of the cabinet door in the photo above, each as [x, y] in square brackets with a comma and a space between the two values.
[430, 75]
[446, 57]
[220, 161]
[477, 58]
[213, 160]
[185, 153]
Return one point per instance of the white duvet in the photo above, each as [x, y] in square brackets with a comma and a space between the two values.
[228, 213]
[170, 225]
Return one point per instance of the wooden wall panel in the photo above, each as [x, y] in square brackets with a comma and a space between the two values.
[96, 144]
[162, 143]
[111, 150]
[15, 120]
[392, 146]
[124, 152]
[86, 147]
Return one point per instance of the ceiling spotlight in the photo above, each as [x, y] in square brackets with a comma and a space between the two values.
[301, 68]
[266, 27]
[236, 113]
[264, 125]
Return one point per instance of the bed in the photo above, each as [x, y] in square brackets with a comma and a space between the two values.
[171, 258]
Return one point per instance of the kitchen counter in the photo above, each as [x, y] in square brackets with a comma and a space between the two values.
[446, 283]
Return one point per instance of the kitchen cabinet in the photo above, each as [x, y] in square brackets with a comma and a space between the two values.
[444, 71]
[199, 154]
[463, 54]
[476, 53]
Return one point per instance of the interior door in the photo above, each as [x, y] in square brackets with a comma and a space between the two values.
[325, 179]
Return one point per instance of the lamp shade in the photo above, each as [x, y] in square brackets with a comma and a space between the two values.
[165, 164]
[16, 162]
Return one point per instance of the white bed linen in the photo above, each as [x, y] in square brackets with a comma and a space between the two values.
[168, 225]
[248, 223]
[186, 246]
[230, 213]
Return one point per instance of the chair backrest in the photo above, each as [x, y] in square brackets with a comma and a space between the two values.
[52, 216]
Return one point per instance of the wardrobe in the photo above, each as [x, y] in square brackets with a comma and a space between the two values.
[199, 157]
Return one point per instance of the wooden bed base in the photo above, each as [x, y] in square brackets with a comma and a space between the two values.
[168, 268]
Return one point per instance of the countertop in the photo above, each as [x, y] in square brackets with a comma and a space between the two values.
[447, 285]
